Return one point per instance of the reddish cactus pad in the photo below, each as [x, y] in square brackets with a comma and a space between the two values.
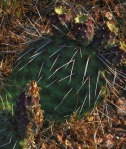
[28, 113]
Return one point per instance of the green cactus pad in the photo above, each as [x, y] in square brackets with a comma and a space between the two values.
[67, 72]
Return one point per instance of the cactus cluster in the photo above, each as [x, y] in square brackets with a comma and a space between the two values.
[68, 64]
[74, 67]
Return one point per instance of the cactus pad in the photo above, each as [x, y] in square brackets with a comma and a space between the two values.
[68, 72]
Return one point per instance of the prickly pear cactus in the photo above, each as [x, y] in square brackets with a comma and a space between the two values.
[69, 73]
[28, 114]
[71, 68]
